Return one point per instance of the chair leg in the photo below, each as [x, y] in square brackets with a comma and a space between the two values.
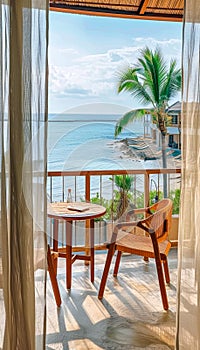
[53, 277]
[166, 270]
[162, 283]
[55, 244]
[116, 268]
[160, 272]
[110, 254]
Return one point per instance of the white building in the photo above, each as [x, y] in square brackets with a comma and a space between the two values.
[173, 138]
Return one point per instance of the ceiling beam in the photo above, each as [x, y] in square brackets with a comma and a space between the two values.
[143, 6]
[107, 12]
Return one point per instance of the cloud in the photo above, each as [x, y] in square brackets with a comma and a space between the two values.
[72, 91]
[95, 75]
[101, 108]
[171, 48]
[61, 56]
[115, 57]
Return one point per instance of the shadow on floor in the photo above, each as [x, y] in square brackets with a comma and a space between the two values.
[130, 316]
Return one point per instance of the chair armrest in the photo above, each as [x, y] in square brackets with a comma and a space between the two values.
[137, 211]
[117, 227]
[126, 224]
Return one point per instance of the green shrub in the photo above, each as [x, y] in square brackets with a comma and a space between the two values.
[107, 203]
[137, 199]
[175, 197]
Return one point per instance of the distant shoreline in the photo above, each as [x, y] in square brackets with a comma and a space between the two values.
[82, 120]
[144, 149]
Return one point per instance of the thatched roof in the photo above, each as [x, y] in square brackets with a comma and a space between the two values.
[168, 10]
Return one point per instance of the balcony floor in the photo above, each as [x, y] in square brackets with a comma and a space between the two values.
[130, 316]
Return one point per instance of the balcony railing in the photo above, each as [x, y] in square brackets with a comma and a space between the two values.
[88, 184]
[81, 182]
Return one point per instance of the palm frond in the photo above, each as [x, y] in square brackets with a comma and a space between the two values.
[150, 82]
[129, 81]
[154, 72]
[172, 83]
[127, 118]
[124, 181]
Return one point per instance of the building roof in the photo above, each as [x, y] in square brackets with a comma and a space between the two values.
[164, 10]
[176, 107]
[172, 130]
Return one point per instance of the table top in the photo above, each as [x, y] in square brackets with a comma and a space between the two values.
[75, 210]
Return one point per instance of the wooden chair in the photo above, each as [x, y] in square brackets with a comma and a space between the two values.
[53, 277]
[40, 265]
[153, 243]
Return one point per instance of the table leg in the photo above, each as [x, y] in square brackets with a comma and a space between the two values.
[68, 254]
[55, 243]
[92, 250]
[87, 240]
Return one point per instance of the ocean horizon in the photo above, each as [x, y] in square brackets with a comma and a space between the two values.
[85, 142]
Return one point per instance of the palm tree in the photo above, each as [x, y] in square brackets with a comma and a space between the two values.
[153, 83]
[123, 183]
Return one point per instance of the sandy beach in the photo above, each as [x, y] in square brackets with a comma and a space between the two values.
[143, 149]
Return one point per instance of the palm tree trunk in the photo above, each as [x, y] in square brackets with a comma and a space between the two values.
[164, 163]
[122, 205]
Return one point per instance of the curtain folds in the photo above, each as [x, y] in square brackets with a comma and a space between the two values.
[188, 293]
[23, 117]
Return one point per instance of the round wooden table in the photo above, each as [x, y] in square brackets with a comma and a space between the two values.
[74, 212]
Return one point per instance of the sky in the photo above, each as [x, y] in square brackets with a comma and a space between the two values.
[86, 54]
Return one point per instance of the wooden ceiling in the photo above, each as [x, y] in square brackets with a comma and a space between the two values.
[163, 10]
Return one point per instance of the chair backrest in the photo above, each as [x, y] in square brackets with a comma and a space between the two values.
[159, 219]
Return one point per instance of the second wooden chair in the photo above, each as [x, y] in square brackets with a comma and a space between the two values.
[153, 243]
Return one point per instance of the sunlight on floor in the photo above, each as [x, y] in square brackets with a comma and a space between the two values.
[129, 316]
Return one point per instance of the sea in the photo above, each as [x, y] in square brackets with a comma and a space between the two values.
[87, 142]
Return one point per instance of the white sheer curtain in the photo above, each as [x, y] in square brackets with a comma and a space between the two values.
[188, 301]
[23, 115]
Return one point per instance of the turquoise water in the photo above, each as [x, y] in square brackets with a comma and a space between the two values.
[82, 142]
